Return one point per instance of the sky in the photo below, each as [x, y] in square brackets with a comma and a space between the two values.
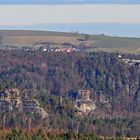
[99, 16]
[34, 14]
[66, 1]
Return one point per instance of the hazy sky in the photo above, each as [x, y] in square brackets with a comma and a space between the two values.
[34, 14]
[65, 1]
[95, 16]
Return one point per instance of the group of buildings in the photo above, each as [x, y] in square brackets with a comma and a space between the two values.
[130, 62]
[45, 49]
[67, 50]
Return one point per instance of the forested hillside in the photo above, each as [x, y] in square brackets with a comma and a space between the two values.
[54, 80]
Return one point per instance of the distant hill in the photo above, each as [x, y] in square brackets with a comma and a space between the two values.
[21, 38]
[32, 33]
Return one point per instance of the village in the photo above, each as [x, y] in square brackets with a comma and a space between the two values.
[67, 48]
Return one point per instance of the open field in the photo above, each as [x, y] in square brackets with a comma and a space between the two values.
[95, 42]
[122, 50]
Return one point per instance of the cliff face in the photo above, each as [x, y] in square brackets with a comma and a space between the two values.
[97, 108]
[83, 102]
[33, 106]
[10, 100]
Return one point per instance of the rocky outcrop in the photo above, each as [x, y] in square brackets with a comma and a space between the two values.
[83, 102]
[33, 106]
[10, 100]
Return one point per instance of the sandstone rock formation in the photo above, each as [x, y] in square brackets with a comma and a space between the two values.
[33, 106]
[10, 100]
[83, 102]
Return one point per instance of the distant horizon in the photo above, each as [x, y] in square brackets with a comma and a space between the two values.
[119, 30]
[69, 1]
[102, 18]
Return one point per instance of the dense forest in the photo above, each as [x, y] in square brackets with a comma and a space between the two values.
[54, 79]
[45, 134]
